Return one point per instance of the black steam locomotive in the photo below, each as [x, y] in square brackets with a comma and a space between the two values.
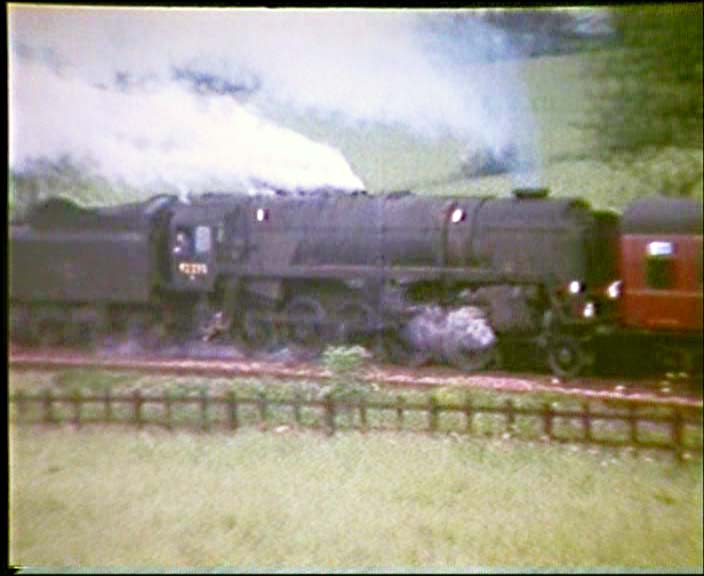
[416, 277]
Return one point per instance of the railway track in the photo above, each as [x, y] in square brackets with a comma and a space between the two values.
[650, 391]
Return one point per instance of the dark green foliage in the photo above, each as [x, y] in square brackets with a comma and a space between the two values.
[42, 178]
[345, 363]
[646, 97]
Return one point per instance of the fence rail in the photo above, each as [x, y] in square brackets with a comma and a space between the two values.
[674, 424]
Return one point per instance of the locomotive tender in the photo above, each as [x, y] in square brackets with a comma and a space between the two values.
[418, 276]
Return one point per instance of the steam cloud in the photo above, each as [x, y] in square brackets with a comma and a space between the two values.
[177, 96]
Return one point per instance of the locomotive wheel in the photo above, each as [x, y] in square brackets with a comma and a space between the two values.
[355, 322]
[51, 323]
[22, 330]
[50, 333]
[153, 336]
[141, 328]
[567, 356]
[75, 334]
[398, 351]
[258, 330]
[669, 359]
[305, 318]
[470, 360]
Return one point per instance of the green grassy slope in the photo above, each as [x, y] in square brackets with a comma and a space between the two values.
[122, 498]
[558, 88]
[288, 498]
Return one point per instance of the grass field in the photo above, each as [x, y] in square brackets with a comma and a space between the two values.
[119, 497]
[122, 498]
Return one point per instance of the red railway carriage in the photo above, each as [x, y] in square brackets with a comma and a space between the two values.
[661, 265]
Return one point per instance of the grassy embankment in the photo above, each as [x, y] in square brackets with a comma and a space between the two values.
[558, 89]
[116, 496]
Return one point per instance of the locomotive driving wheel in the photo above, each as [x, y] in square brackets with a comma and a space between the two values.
[398, 351]
[567, 356]
[22, 329]
[51, 324]
[305, 319]
[470, 359]
[355, 322]
[50, 333]
[258, 329]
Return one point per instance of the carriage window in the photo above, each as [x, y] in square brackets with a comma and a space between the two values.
[202, 239]
[660, 265]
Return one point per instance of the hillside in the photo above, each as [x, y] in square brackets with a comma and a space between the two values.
[392, 158]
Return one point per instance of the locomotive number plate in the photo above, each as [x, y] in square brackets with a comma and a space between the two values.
[193, 268]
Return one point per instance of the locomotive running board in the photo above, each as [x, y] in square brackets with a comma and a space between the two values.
[407, 274]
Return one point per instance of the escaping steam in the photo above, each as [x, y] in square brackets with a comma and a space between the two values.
[165, 137]
[176, 96]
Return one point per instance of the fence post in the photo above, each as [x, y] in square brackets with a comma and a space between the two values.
[633, 424]
[167, 407]
[77, 400]
[232, 410]
[433, 411]
[19, 402]
[510, 416]
[137, 400]
[363, 414]
[547, 419]
[677, 433]
[107, 403]
[468, 415]
[400, 403]
[329, 414]
[297, 408]
[587, 421]
[48, 406]
[204, 424]
[262, 405]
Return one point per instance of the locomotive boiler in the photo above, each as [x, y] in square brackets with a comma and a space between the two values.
[418, 277]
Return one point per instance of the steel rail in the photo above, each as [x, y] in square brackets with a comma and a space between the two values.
[416, 378]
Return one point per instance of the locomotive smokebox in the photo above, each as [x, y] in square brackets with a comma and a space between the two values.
[530, 193]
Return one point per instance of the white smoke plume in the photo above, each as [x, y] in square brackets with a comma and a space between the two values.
[175, 96]
[167, 135]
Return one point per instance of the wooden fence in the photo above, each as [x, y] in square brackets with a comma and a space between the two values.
[679, 427]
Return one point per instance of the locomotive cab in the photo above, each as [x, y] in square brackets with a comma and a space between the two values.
[192, 237]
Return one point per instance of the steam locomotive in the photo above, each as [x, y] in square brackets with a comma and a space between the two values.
[417, 278]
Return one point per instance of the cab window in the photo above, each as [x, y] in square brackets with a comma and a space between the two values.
[182, 242]
[203, 239]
